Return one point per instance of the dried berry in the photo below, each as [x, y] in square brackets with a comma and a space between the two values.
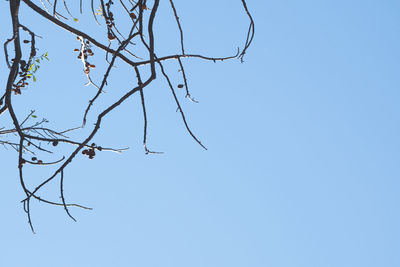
[111, 36]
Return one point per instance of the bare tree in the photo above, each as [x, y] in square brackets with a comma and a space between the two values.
[31, 139]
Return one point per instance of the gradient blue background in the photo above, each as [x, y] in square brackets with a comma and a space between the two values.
[303, 160]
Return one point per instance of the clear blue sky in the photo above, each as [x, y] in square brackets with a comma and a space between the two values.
[303, 162]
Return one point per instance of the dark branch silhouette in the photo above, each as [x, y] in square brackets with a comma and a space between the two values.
[31, 139]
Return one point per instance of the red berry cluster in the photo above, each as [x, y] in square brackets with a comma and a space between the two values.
[131, 12]
[110, 21]
[87, 52]
[38, 161]
[91, 151]
[23, 74]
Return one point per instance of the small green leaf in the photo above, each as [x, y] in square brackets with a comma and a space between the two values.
[30, 68]
[38, 60]
[34, 78]
[34, 116]
[76, 20]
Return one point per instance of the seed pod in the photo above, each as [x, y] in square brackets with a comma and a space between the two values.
[111, 36]
[76, 49]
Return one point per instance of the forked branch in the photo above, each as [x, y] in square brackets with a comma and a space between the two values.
[31, 138]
